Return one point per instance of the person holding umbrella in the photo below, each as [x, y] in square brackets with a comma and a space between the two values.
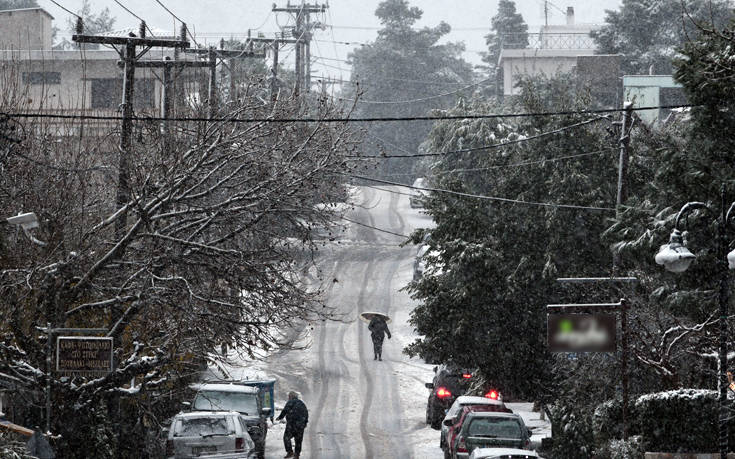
[378, 326]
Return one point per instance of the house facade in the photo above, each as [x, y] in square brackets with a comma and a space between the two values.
[562, 49]
[74, 81]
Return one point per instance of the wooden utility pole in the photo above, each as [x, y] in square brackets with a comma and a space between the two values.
[130, 58]
[274, 72]
[622, 196]
[275, 43]
[302, 33]
[212, 54]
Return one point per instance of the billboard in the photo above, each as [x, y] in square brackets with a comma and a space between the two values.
[581, 332]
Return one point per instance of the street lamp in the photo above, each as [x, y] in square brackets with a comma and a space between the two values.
[676, 258]
[27, 221]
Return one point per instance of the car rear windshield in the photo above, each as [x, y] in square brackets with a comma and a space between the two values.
[211, 400]
[494, 428]
[202, 427]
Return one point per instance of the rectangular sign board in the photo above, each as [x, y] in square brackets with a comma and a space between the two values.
[84, 354]
[581, 332]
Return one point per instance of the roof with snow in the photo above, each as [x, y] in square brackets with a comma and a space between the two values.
[151, 32]
[27, 9]
[227, 388]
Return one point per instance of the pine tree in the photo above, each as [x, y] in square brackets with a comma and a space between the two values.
[508, 30]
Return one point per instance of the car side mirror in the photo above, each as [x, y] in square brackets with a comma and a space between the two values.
[448, 422]
[265, 412]
[165, 431]
[429, 385]
[435, 368]
[186, 404]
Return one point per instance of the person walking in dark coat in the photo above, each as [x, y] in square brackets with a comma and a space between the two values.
[378, 329]
[297, 416]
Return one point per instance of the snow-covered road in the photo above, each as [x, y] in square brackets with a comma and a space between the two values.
[361, 408]
[358, 407]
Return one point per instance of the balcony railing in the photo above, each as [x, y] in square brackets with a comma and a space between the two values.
[547, 41]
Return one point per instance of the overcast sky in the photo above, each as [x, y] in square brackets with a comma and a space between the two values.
[347, 21]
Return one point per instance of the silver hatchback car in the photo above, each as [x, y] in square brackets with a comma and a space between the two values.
[201, 434]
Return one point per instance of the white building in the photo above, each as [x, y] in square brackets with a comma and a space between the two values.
[554, 50]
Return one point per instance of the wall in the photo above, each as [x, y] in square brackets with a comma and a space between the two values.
[25, 29]
[646, 91]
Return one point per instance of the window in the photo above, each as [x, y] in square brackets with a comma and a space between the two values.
[495, 428]
[199, 427]
[42, 77]
[220, 400]
[107, 93]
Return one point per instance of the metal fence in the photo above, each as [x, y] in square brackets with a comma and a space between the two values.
[547, 41]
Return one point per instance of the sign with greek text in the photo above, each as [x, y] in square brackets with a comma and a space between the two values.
[83, 354]
[581, 332]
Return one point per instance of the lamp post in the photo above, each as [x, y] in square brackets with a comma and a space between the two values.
[676, 258]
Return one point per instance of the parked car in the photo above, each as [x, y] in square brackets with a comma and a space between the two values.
[492, 398]
[502, 453]
[417, 196]
[490, 430]
[201, 434]
[244, 399]
[449, 383]
[454, 425]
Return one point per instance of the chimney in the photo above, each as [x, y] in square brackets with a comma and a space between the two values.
[570, 15]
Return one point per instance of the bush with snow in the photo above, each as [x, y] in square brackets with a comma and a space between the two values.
[683, 420]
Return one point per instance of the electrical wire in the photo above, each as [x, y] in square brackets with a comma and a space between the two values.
[410, 101]
[526, 163]
[338, 120]
[136, 16]
[177, 18]
[492, 146]
[477, 196]
[374, 227]
[68, 11]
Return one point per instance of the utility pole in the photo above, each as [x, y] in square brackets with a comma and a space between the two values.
[622, 197]
[129, 57]
[168, 67]
[212, 55]
[302, 33]
[275, 44]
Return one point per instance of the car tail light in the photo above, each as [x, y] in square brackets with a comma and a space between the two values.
[493, 394]
[169, 448]
[239, 444]
[527, 444]
[466, 375]
[461, 445]
[443, 393]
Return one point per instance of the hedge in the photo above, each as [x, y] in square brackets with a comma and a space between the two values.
[677, 421]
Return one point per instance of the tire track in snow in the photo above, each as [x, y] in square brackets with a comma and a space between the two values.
[321, 378]
[385, 414]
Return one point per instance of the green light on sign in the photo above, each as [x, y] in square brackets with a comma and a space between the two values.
[566, 326]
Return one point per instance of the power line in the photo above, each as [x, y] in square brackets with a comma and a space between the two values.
[410, 101]
[336, 120]
[177, 18]
[375, 228]
[68, 11]
[492, 146]
[477, 196]
[136, 16]
[525, 163]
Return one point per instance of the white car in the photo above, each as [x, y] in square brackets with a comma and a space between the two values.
[502, 453]
[221, 434]
[467, 400]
